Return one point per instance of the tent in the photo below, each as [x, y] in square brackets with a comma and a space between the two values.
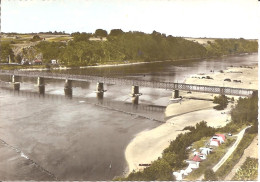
[222, 136]
[218, 138]
[214, 142]
[197, 158]
[178, 176]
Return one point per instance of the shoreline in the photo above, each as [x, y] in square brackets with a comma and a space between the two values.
[128, 64]
[147, 146]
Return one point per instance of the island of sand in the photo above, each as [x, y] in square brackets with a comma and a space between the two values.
[147, 146]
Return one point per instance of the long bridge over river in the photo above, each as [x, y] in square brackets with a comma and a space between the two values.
[120, 81]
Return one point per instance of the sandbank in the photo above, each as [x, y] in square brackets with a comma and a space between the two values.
[147, 146]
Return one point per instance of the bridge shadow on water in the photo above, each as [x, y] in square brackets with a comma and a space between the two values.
[146, 111]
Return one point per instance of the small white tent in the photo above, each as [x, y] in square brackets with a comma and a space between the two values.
[178, 176]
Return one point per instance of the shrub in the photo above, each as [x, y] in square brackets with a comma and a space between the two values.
[209, 175]
[222, 102]
[248, 171]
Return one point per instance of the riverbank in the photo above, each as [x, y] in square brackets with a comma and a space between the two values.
[104, 65]
[126, 63]
[147, 146]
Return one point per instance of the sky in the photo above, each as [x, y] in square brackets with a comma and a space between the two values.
[185, 18]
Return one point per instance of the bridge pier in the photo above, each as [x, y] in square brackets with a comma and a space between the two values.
[15, 83]
[100, 90]
[135, 94]
[41, 85]
[222, 91]
[68, 88]
[176, 94]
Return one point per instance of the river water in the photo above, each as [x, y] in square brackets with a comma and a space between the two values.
[83, 138]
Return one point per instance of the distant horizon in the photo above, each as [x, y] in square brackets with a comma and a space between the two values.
[179, 18]
[66, 33]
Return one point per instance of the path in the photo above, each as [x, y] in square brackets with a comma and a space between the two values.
[250, 151]
[229, 152]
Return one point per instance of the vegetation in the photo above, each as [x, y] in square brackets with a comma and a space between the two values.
[211, 160]
[222, 47]
[225, 169]
[246, 110]
[222, 102]
[6, 51]
[36, 38]
[133, 46]
[245, 113]
[209, 175]
[248, 171]
[173, 157]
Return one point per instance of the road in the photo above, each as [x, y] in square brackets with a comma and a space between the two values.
[229, 152]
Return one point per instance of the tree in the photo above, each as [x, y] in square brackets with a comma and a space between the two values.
[36, 38]
[116, 32]
[209, 175]
[6, 51]
[18, 58]
[101, 33]
[159, 170]
[77, 37]
[222, 100]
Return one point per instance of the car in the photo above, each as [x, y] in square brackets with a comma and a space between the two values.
[229, 134]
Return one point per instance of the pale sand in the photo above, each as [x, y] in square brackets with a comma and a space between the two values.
[249, 78]
[147, 146]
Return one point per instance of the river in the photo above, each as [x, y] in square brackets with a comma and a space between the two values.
[83, 138]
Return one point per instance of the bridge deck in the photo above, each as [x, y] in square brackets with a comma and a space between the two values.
[142, 83]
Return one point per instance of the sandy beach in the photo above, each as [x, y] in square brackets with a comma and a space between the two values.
[147, 146]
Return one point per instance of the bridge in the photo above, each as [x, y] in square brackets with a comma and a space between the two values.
[120, 81]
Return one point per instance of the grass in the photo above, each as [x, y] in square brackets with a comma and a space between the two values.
[58, 39]
[13, 67]
[212, 159]
[225, 169]
[248, 171]
[200, 143]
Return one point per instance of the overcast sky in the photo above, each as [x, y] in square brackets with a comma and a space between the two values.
[187, 18]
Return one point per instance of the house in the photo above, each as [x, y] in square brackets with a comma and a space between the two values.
[215, 142]
[222, 136]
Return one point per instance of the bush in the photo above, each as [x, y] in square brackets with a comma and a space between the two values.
[246, 110]
[36, 38]
[248, 171]
[209, 175]
[191, 128]
[222, 102]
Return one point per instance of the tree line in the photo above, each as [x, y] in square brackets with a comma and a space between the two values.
[122, 46]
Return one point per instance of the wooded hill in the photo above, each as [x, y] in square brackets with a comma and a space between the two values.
[118, 46]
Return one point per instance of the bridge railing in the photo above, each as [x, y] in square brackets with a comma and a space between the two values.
[142, 83]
